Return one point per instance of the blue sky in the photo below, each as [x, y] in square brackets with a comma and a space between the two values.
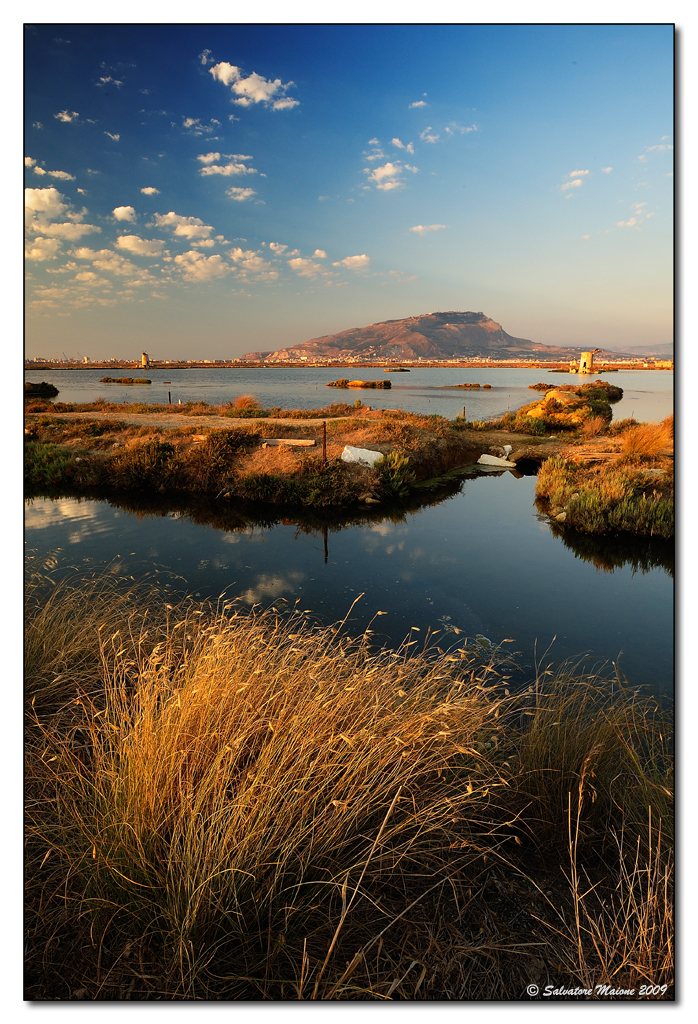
[202, 191]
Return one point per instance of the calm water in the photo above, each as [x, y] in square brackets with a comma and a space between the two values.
[481, 560]
[648, 394]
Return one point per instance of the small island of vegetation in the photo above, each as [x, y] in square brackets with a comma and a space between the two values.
[595, 476]
[40, 390]
[343, 382]
[124, 380]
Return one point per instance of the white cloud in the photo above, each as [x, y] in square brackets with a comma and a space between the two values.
[409, 148]
[586, 236]
[45, 202]
[606, 170]
[37, 124]
[124, 213]
[422, 229]
[307, 268]
[227, 169]
[426, 137]
[43, 206]
[204, 56]
[89, 277]
[254, 88]
[277, 247]
[197, 267]
[387, 176]
[633, 222]
[70, 231]
[208, 158]
[204, 243]
[141, 246]
[62, 175]
[29, 161]
[184, 227]
[642, 159]
[454, 127]
[577, 174]
[354, 262]
[41, 249]
[240, 194]
[321, 254]
[113, 262]
[237, 254]
[113, 137]
[659, 148]
[571, 184]
[376, 153]
[66, 115]
[248, 262]
[150, 191]
[195, 127]
[418, 103]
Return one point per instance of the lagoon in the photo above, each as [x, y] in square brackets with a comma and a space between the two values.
[648, 394]
[475, 557]
[480, 560]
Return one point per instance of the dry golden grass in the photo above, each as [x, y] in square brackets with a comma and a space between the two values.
[247, 402]
[648, 440]
[234, 805]
[594, 426]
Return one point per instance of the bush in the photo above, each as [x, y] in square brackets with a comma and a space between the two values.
[46, 464]
[594, 426]
[397, 477]
[606, 498]
[247, 402]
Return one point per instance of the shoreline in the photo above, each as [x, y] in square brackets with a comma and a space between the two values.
[556, 365]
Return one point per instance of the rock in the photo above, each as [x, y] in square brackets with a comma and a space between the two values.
[565, 398]
[362, 456]
[493, 460]
[560, 518]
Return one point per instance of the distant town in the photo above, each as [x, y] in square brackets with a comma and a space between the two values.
[611, 361]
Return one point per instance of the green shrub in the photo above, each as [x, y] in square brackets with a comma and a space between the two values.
[396, 475]
[46, 464]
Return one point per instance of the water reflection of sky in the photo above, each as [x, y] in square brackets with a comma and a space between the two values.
[481, 561]
[648, 393]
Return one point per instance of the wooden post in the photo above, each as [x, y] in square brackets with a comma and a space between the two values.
[324, 443]
[463, 412]
[169, 398]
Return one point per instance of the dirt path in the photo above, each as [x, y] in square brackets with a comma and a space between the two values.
[523, 445]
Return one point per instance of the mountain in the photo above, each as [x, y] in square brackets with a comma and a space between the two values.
[450, 335]
[665, 350]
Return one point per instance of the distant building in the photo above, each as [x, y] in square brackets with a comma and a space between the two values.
[144, 359]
